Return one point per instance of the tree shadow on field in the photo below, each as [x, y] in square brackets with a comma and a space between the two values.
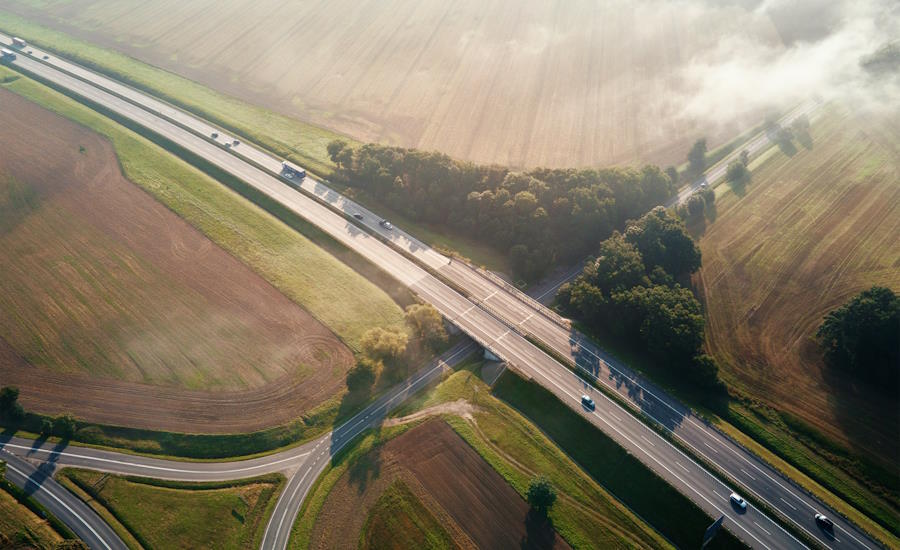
[366, 468]
[539, 531]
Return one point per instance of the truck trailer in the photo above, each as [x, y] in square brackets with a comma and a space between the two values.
[291, 172]
[7, 55]
[18, 42]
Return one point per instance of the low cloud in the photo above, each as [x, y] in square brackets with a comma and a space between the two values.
[816, 58]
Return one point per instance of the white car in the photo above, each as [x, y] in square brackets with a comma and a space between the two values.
[738, 501]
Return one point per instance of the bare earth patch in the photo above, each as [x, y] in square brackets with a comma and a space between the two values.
[117, 310]
[472, 502]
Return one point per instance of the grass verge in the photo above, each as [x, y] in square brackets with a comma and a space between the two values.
[268, 242]
[22, 523]
[302, 143]
[163, 514]
[586, 514]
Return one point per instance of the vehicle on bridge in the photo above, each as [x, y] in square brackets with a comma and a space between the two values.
[386, 224]
[291, 171]
[738, 501]
[18, 42]
[7, 55]
[588, 403]
[825, 523]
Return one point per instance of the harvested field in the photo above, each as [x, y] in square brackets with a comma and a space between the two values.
[473, 503]
[115, 308]
[520, 83]
[811, 231]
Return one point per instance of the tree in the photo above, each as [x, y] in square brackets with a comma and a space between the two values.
[8, 397]
[672, 326]
[618, 266]
[541, 494]
[697, 157]
[334, 148]
[663, 241]
[46, 427]
[737, 173]
[383, 344]
[64, 426]
[672, 172]
[862, 337]
[428, 323]
[361, 376]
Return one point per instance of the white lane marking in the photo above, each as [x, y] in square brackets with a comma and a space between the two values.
[748, 474]
[152, 467]
[284, 514]
[682, 466]
[788, 503]
[523, 321]
[708, 445]
[648, 441]
[763, 528]
[63, 504]
[616, 417]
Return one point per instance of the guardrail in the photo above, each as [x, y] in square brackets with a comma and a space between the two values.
[522, 297]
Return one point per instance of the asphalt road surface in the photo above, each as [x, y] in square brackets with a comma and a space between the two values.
[496, 318]
[37, 481]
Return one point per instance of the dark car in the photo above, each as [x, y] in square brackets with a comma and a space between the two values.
[357, 215]
[386, 224]
[235, 143]
[825, 523]
[587, 402]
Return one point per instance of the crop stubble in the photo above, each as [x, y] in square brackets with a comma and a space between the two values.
[522, 83]
[811, 232]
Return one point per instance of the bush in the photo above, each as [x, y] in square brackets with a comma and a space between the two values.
[427, 323]
[382, 344]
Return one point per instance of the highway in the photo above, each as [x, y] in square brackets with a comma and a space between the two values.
[500, 320]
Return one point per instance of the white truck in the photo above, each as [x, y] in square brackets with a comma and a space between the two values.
[7, 55]
[292, 172]
[18, 42]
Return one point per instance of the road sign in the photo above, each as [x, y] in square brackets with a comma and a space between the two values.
[711, 531]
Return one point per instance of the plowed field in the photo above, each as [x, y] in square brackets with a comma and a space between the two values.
[470, 500]
[117, 310]
[811, 231]
[517, 82]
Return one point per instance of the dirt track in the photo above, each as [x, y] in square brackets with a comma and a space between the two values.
[472, 501]
[115, 309]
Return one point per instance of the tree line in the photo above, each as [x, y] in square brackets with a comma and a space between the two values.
[633, 291]
[539, 217]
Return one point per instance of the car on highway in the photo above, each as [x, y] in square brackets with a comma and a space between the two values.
[825, 523]
[704, 185]
[738, 501]
[357, 215]
[214, 135]
[588, 403]
[386, 224]
[46, 57]
[235, 143]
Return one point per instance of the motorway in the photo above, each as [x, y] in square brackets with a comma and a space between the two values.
[499, 320]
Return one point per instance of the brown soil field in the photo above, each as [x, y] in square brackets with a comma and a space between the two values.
[811, 231]
[115, 309]
[472, 502]
[515, 82]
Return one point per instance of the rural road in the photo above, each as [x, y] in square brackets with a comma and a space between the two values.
[37, 481]
[501, 321]
[301, 464]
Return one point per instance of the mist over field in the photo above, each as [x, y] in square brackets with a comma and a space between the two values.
[514, 82]
[826, 52]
